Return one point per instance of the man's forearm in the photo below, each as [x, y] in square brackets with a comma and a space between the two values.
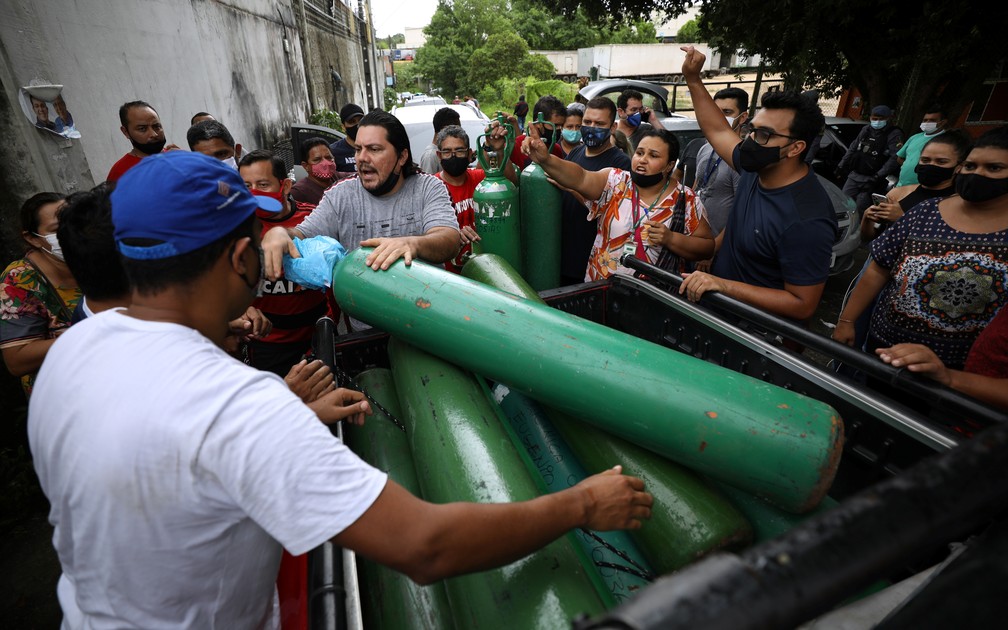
[438, 245]
[777, 301]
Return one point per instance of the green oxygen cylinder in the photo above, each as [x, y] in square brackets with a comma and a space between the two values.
[622, 568]
[389, 598]
[769, 441]
[541, 215]
[498, 221]
[462, 453]
[689, 518]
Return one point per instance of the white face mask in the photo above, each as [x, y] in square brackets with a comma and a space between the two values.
[231, 162]
[54, 246]
[731, 121]
[929, 127]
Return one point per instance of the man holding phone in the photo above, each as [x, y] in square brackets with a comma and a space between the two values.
[634, 118]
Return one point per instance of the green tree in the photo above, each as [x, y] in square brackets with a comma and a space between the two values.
[545, 29]
[690, 32]
[504, 56]
[908, 53]
[639, 32]
[455, 31]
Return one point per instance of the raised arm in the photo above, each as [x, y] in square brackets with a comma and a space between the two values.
[709, 116]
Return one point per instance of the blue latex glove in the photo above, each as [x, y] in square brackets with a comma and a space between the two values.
[313, 270]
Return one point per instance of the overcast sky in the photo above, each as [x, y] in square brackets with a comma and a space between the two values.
[393, 16]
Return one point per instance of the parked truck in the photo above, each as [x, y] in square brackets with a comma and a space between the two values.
[661, 63]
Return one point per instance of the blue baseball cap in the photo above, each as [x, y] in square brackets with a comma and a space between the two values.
[881, 110]
[183, 200]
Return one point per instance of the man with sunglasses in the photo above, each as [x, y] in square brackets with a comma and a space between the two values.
[777, 244]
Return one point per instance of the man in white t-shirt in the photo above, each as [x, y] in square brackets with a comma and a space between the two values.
[175, 473]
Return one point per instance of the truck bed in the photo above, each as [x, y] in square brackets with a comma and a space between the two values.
[883, 437]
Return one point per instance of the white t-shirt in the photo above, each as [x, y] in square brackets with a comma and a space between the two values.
[173, 471]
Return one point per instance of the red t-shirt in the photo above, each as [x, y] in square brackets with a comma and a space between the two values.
[124, 164]
[465, 210]
[521, 160]
[989, 353]
[292, 309]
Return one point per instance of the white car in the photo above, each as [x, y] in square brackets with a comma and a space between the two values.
[419, 123]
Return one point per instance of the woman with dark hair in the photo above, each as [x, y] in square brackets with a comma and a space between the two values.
[941, 270]
[643, 211]
[38, 293]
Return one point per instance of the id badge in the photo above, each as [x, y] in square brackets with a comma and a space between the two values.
[630, 248]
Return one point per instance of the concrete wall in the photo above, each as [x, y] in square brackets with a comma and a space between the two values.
[241, 60]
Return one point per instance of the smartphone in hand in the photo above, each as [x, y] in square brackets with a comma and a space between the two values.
[877, 198]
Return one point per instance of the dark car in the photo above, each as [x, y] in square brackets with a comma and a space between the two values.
[837, 136]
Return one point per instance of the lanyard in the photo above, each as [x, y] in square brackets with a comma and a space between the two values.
[637, 219]
[711, 167]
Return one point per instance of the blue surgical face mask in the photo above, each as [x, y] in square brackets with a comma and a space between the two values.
[877, 124]
[572, 136]
[634, 119]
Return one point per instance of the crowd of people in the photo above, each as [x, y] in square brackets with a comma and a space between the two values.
[158, 279]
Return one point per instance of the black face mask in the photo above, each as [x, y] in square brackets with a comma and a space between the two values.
[351, 132]
[386, 185]
[149, 148]
[754, 157]
[931, 175]
[455, 166]
[646, 181]
[977, 188]
[547, 135]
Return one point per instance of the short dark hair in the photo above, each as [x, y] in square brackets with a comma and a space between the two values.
[444, 117]
[192, 121]
[30, 209]
[808, 119]
[575, 109]
[208, 130]
[395, 133]
[87, 237]
[996, 138]
[125, 108]
[260, 155]
[957, 139]
[625, 97]
[740, 96]
[667, 137]
[601, 102]
[548, 106]
[150, 276]
[310, 144]
[936, 108]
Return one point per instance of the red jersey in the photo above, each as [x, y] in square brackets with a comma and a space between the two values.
[465, 210]
[124, 164]
[292, 309]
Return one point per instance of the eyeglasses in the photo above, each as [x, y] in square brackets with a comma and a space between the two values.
[762, 135]
[462, 153]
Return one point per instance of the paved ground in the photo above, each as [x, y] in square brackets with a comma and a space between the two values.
[28, 565]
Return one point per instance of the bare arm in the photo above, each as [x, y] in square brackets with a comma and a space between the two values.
[709, 116]
[588, 184]
[922, 360]
[866, 290]
[26, 358]
[794, 301]
[696, 246]
[436, 245]
[429, 542]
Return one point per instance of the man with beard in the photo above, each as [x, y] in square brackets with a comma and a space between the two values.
[388, 206]
[344, 150]
[142, 127]
[775, 253]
